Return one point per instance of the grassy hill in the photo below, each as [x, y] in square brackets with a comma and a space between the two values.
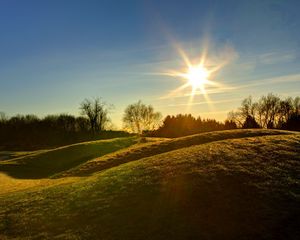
[43, 164]
[159, 146]
[222, 185]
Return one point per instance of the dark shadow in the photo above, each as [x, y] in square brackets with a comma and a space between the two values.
[47, 164]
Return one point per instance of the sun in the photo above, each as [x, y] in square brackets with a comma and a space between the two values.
[198, 74]
[197, 77]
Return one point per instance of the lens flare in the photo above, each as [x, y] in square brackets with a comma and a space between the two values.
[197, 76]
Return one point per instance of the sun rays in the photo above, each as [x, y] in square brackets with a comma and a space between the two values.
[197, 76]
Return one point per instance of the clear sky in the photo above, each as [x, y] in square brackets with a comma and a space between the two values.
[55, 53]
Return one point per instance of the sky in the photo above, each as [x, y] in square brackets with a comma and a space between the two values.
[56, 53]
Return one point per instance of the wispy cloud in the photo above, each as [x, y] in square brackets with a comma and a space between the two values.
[248, 63]
[276, 57]
[266, 81]
[204, 102]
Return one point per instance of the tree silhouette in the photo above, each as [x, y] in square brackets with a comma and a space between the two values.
[250, 122]
[186, 124]
[229, 124]
[268, 112]
[293, 123]
[139, 117]
[97, 113]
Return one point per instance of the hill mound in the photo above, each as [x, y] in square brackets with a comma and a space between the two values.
[43, 164]
[245, 188]
[164, 145]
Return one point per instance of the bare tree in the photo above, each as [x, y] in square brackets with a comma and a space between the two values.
[139, 117]
[97, 113]
[235, 116]
[286, 109]
[247, 108]
[269, 111]
[268, 108]
[246, 111]
[296, 105]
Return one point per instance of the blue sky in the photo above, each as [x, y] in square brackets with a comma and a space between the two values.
[53, 54]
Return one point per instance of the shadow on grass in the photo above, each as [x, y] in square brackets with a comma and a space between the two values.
[46, 164]
[155, 148]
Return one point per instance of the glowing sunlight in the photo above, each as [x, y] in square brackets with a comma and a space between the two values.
[197, 76]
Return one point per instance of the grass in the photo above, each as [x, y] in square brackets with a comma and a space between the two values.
[161, 145]
[244, 186]
[44, 164]
[5, 155]
[9, 184]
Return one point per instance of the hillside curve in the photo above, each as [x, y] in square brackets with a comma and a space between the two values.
[243, 188]
[153, 148]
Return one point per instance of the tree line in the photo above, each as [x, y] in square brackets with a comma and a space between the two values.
[31, 132]
[269, 111]
[186, 124]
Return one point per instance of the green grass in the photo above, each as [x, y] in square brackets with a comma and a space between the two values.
[161, 146]
[44, 164]
[242, 187]
[5, 155]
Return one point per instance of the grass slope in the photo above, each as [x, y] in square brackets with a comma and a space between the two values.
[160, 146]
[245, 188]
[5, 155]
[46, 163]
[9, 184]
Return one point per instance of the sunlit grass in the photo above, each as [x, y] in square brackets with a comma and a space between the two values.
[10, 184]
[47, 163]
[203, 191]
[159, 146]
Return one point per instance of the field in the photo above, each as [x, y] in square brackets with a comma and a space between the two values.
[239, 184]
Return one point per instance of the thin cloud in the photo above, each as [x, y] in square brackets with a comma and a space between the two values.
[265, 81]
[203, 102]
[277, 57]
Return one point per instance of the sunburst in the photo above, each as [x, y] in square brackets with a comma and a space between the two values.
[197, 76]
